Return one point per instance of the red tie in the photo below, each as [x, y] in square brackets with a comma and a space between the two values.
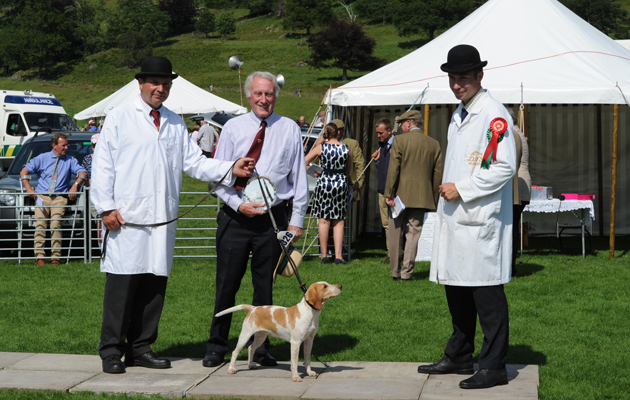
[254, 152]
[156, 118]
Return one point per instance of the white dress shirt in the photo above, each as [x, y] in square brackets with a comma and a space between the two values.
[281, 159]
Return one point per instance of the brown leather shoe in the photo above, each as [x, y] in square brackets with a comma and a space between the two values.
[40, 262]
[385, 261]
[55, 262]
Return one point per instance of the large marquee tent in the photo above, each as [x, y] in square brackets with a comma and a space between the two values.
[185, 99]
[569, 77]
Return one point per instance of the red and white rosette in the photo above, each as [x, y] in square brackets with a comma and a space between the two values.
[498, 126]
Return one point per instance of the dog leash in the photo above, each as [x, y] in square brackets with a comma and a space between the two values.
[265, 192]
[210, 192]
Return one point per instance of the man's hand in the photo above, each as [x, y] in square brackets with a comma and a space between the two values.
[73, 189]
[244, 167]
[376, 155]
[298, 232]
[30, 190]
[249, 209]
[113, 220]
[449, 191]
[391, 201]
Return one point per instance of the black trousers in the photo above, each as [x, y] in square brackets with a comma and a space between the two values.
[237, 236]
[132, 307]
[490, 303]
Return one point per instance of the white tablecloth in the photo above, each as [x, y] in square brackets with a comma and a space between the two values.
[555, 205]
[535, 210]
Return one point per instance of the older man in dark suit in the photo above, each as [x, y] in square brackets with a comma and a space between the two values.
[415, 175]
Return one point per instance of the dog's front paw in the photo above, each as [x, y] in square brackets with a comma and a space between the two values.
[252, 365]
[297, 379]
[231, 370]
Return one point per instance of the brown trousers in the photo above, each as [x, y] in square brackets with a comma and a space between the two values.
[53, 210]
[405, 229]
[384, 209]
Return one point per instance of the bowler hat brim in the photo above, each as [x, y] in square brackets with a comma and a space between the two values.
[460, 69]
[144, 75]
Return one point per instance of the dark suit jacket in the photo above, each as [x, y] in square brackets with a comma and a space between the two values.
[415, 170]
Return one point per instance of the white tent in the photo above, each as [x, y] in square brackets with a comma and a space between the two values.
[625, 43]
[184, 99]
[557, 57]
[539, 53]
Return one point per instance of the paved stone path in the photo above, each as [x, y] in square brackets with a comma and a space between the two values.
[188, 378]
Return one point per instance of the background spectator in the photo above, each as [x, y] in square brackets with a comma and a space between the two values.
[194, 135]
[330, 201]
[53, 170]
[207, 137]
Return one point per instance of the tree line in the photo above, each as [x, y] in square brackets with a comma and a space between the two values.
[42, 33]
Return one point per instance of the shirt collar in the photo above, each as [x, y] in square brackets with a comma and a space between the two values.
[475, 99]
[53, 155]
[270, 119]
[147, 108]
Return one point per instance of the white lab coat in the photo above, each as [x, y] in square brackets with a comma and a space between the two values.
[472, 243]
[138, 171]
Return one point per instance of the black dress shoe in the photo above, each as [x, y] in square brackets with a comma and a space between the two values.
[446, 366]
[113, 365]
[148, 360]
[485, 378]
[213, 359]
[265, 359]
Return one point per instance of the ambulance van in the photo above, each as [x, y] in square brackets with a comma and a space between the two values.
[23, 115]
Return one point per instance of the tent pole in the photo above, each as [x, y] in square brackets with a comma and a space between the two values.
[240, 86]
[613, 188]
[600, 172]
[426, 119]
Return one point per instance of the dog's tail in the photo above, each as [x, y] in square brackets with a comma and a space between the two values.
[240, 307]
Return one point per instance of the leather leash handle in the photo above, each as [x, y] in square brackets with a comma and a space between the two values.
[276, 230]
[210, 192]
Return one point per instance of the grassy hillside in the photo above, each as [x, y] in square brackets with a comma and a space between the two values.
[259, 42]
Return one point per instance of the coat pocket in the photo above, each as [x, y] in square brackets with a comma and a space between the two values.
[134, 209]
[472, 157]
[477, 212]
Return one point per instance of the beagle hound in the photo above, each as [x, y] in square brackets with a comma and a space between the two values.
[295, 325]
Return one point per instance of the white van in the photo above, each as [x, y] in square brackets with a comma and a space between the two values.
[23, 115]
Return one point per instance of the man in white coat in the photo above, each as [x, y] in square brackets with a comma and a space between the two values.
[136, 179]
[472, 248]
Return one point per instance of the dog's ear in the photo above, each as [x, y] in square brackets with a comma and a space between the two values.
[313, 296]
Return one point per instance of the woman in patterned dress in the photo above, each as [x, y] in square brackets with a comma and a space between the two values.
[330, 200]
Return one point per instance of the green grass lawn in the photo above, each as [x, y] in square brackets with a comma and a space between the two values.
[568, 315]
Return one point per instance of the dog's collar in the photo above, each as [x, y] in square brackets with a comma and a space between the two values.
[312, 306]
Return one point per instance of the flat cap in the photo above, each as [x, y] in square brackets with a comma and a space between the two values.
[411, 114]
[338, 123]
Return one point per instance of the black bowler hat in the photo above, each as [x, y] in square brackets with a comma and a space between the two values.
[156, 66]
[463, 58]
